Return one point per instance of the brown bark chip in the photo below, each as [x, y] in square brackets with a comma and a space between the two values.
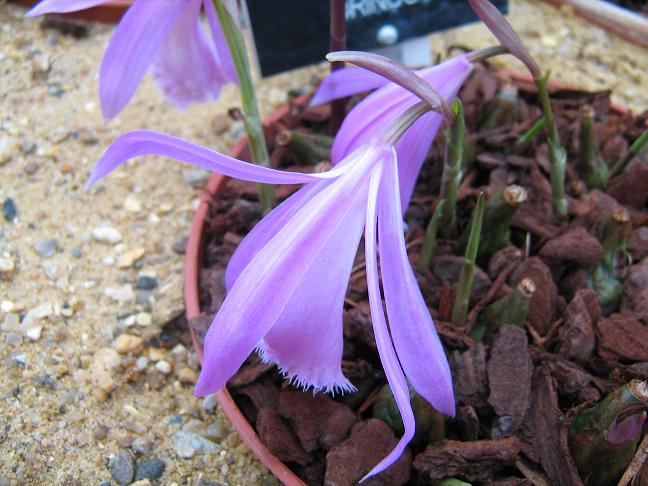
[576, 338]
[577, 246]
[635, 289]
[545, 432]
[369, 443]
[252, 369]
[623, 336]
[317, 420]
[477, 460]
[469, 376]
[509, 378]
[631, 187]
[542, 307]
[281, 441]
[573, 382]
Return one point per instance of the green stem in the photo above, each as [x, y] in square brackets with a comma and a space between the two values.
[429, 243]
[521, 143]
[253, 125]
[452, 165]
[557, 154]
[621, 164]
[464, 286]
[310, 148]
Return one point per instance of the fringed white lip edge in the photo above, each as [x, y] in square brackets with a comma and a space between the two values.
[340, 386]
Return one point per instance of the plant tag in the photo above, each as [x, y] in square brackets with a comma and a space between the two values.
[288, 35]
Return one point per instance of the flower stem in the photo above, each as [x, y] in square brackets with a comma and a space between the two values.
[429, 243]
[621, 164]
[557, 154]
[311, 148]
[337, 42]
[464, 286]
[253, 123]
[452, 165]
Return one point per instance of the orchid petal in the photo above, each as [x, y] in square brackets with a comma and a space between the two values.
[147, 142]
[266, 229]
[346, 82]
[265, 288]
[307, 342]
[138, 37]
[272, 223]
[416, 341]
[388, 357]
[187, 49]
[62, 6]
[396, 73]
[378, 110]
[223, 56]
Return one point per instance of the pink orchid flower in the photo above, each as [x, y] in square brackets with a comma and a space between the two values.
[380, 108]
[288, 279]
[166, 36]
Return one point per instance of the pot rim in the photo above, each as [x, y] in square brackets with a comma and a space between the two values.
[193, 260]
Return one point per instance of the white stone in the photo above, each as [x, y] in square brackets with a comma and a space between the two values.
[107, 234]
[8, 148]
[163, 367]
[122, 294]
[132, 204]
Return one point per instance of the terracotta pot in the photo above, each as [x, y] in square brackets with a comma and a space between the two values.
[193, 261]
[109, 12]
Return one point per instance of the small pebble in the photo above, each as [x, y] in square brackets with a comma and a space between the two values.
[76, 251]
[150, 469]
[7, 149]
[27, 147]
[143, 319]
[107, 234]
[9, 210]
[127, 259]
[127, 343]
[141, 363]
[122, 294]
[187, 376]
[87, 136]
[31, 168]
[33, 330]
[221, 123]
[43, 380]
[209, 403]
[141, 446]
[187, 444]
[180, 246]
[122, 468]
[132, 205]
[55, 91]
[101, 432]
[59, 135]
[163, 367]
[145, 282]
[47, 248]
[7, 267]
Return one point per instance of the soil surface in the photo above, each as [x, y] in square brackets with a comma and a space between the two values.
[96, 373]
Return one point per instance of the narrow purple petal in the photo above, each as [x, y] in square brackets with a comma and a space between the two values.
[346, 82]
[146, 142]
[265, 290]
[416, 341]
[388, 357]
[224, 58]
[374, 114]
[62, 6]
[186, 65]
[132, 48]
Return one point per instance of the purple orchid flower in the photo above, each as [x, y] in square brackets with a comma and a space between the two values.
[166, 36]
[380, 108]
[288, 279]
